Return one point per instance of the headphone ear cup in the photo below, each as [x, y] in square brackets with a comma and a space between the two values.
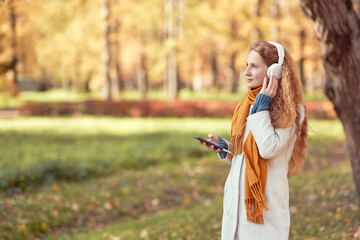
[274, 69]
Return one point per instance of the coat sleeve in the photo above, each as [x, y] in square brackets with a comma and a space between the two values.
[226, 159]
[270, 142]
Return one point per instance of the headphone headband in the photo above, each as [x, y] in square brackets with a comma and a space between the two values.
[280, 50]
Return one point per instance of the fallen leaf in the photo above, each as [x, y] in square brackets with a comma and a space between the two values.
[54, 187]
[144, 234]
[22, 226]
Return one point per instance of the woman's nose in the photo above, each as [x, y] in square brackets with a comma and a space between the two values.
[247, 72]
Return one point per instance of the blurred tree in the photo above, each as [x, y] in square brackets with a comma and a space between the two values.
[17, 56]
[143, 61]
[234, 70]
[142, 72]
[3, 63]
[173, 17]
[301, 42]
[105, 14]
[336, 24]
[357, 6]
[302, 56]
[239, 38]
[258, 12]
[67, 43]
[116, 64]
[11, 73]
[275, 14]
[202, 46]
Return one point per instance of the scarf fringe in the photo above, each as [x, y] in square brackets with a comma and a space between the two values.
[256, 205]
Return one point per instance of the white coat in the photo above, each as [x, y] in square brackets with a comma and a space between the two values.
[277, 146]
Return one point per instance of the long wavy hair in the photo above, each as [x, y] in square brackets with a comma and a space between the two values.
[287, 108]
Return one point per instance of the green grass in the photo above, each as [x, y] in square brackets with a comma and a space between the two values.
[316, 96]
[39, 151]
[185, 94]
[322, 207]
[49, 96]
[103, 178]
[199, 222]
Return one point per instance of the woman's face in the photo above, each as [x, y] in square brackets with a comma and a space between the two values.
[256, 70]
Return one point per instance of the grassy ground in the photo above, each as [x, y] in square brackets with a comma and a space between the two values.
[187, 95]
[125, 178]
[7, 102]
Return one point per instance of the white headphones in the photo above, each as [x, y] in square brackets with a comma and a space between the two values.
[276, 68]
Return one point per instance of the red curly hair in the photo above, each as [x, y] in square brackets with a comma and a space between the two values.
[286, 108]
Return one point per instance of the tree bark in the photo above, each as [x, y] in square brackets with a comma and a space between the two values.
[12, 74]
[172, 29]
[302, 57]
[171, 70]
[275, 13]
[116, 55]
[234, 76]
[142, 77]
[337, 26]
[105, 14]
[214, 67]
[234, 54]
[258, 32]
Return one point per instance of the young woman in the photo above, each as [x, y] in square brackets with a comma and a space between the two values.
[268, 141]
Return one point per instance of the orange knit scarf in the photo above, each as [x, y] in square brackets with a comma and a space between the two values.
[256, 169]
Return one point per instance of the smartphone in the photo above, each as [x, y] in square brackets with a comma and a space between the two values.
[210, 143]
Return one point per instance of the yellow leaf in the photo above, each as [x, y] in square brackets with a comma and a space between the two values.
[144, 234]
[107, 205]
[55, 213]
[43, 226]
[75, 207]
[125, 190]
[54, 187]
[22, 226]
[186, 201]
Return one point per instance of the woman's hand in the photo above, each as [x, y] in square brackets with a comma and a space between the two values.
[270, 86]
[213, 139]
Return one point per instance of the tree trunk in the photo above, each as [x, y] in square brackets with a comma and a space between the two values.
[75, 85]
[105, 14]
[302, 58]
[275, 13]
[87, 82]
[171, 30]
[44, 83]
[117, 78]
[337, 26]
[257, 30]
[234, 77]
[119, 86]
[173, 88]
[142, 77]
[214, 67]
[12, 75]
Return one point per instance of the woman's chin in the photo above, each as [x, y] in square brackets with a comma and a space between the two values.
[253, 85]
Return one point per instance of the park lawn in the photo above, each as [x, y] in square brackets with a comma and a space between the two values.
[38, 151]
[167, 177]
[58, 95]
[318, 211]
